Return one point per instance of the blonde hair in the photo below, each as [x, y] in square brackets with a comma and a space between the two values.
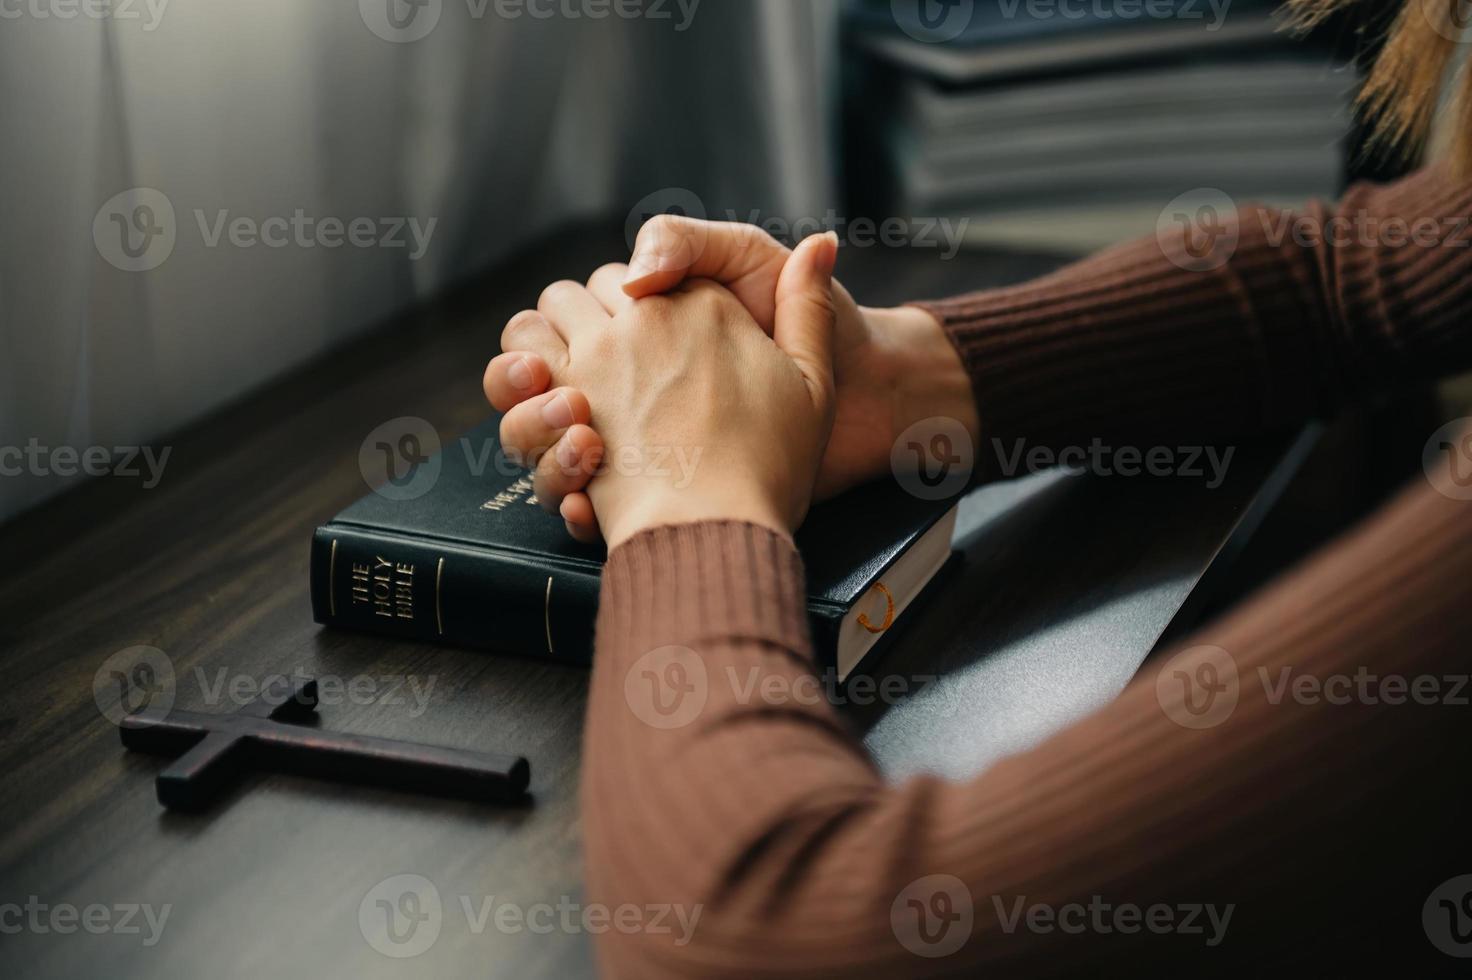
[1405, 86]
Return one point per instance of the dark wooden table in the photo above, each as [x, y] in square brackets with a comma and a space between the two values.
[1068, 584]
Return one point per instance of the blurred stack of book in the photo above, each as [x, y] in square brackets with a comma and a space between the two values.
[1070, 124]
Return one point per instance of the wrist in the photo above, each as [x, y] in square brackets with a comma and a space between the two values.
[929, 379]
[650, 507]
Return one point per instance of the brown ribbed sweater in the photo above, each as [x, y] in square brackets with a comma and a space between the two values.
[1324, 825]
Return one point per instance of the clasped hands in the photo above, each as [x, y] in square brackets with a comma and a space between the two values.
[718, 376]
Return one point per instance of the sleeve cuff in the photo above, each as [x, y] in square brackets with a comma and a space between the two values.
[702, 583]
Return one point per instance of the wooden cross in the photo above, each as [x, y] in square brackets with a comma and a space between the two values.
[213, 749]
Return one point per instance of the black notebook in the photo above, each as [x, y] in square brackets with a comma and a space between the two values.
[469, 558]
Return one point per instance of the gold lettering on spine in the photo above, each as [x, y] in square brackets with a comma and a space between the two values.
[390, 586]
[510, 495]
[383, 588]
[439, 619]
[404, 591]
[362, 589]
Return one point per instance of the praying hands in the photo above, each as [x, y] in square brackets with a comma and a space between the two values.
[697, 346]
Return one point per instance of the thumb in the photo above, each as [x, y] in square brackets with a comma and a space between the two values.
[673, 248]
[803, 327]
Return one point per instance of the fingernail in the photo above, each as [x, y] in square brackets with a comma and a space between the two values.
[567, 454]
[557, 412]
[520, 374]
[827, 256]
[639, 267]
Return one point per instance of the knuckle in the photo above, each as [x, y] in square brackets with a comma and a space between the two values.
[519, 329]
[820, 306]
[603, 346]
[748, 234]
[707, 302]
[556, 293]
[612, 271]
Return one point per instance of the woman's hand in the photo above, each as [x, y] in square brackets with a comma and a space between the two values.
[893, 367]
[696, 413]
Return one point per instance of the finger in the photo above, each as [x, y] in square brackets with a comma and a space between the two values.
[530, 429]
[571, 309]
[606, 285]
[743, 258]
[577, 515]
[568, 467]
[514, 377]
[530, 332]
[803, 327]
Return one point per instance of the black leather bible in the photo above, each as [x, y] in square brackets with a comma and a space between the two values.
[457, 550]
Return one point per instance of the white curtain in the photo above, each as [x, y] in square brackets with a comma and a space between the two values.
[495, 126]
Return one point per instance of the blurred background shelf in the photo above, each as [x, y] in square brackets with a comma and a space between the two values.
[1070, 128]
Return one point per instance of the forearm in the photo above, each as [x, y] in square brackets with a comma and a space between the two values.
[1305, 312]
[756, 839]
[702, 693]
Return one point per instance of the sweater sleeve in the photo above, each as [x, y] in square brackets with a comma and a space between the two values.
[1216, 329]
[732, 828]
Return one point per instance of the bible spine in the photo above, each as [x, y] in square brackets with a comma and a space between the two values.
[442, 591]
